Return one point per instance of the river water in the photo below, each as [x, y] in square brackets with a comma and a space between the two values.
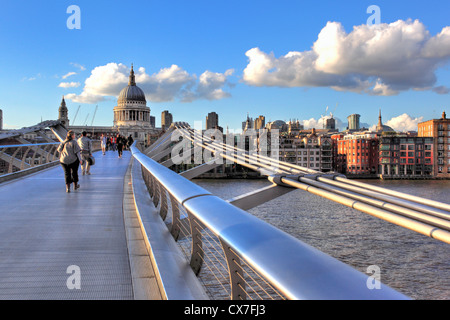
[411, 263]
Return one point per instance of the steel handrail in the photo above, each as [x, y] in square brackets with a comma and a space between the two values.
[28, 145]
[298, 270]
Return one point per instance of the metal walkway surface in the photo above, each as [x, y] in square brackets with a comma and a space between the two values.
[44, 230]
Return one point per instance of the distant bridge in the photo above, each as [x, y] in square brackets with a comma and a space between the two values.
[139, 230]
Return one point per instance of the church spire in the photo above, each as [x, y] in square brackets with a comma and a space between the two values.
[380, 123]
[132, 81]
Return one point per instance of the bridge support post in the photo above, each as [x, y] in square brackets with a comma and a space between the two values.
[155, 197]
[164, 205]
[175, 229]
[235, 272]
[197, 253]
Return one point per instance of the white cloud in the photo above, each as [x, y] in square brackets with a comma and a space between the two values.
[79, 66]
[381, 59]
[320, 123]
[69, 84]
[404, 122]
[165, 85]
[209, 87]
[68, 75]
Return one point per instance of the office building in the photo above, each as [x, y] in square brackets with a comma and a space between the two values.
[439, 130]
[356, 154]
[405, 157]
[353, 122]
[260, 123]
[166, 119]
[152, 121]
[212, 121]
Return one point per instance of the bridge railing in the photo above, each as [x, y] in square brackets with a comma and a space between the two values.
[239, 256]
[18, 157]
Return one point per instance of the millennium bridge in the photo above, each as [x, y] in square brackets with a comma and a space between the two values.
[138, 230]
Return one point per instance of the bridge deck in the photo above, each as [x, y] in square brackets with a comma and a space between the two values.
[44, 230]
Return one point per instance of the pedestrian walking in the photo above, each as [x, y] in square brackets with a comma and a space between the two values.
[113, 143]
[70, 159]
[85, 145]
[130, 141]
[120, 143]
[103, 143]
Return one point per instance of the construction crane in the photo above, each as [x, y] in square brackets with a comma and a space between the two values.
[334, 109]
[75, 117]
[93, 117]
[322, 117]
[85, 121]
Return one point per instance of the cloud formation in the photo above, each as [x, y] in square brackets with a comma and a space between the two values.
[404, 122]
[69, 84]
[68, 75]
[167, 84]
[320, 123]
[79, 66]
[382, 59]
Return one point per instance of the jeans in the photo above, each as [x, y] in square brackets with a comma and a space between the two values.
[71, 171]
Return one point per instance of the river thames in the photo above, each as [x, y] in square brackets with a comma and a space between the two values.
[411, 263]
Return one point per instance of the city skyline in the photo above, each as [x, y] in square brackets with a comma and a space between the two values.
[189, 64]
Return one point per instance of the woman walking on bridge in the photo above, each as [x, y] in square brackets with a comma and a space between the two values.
[70, 159]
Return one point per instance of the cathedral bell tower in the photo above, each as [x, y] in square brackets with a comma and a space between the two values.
[63, 114]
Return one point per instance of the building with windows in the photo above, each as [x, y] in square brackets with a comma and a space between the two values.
[212, 121]
[405, 157]
[353, 122]
[131, 115]
[356, 154]
[259, 123]
[166, 119]
[330, 123]
[311, 151]
[439, 130]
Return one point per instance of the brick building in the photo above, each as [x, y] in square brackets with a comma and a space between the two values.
[439, 130]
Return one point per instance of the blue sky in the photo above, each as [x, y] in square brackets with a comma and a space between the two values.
[37, 50]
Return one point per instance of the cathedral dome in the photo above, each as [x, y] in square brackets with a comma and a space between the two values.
[131, 92]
